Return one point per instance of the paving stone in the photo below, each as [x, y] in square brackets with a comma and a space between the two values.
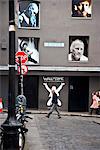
[71, 132]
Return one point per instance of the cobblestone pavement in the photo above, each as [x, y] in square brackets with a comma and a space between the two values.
[67, 133]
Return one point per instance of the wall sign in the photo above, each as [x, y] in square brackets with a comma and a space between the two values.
[53, 44]
[53, 79]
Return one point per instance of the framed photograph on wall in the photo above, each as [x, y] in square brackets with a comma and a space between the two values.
[81, 9]
[78, 48]
[30, 46]
[27, 14]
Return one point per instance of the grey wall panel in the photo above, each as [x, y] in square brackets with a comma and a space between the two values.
[56, 25]
[4, 32]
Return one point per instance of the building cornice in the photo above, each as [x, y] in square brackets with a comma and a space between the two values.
[54, 68]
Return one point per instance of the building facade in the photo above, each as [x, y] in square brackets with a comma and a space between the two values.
[47, 38]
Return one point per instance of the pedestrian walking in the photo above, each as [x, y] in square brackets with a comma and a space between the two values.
[57, 91]
[54, 104]
[99, 104]
[95, 100]
[54, 101]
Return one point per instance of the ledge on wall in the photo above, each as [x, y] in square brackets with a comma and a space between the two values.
[54, 68]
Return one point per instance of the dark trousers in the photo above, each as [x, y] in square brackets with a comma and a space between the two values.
[54, 107]
[94, 109]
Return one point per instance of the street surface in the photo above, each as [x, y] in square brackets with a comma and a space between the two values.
[67, 133]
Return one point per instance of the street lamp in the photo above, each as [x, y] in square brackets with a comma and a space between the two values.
[11, 125]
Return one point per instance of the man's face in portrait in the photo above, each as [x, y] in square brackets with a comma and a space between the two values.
[85, 6]
[25, 46]
[77, 50]
[33, 9]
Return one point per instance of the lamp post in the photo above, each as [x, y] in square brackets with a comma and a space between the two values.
[20, 82]
[11, 125]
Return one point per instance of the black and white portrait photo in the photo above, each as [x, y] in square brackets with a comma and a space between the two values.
[78, 48]
[27, 14]
[30, 46]
[82, 8]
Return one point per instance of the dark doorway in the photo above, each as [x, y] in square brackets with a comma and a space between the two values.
[30, 87]
[78, 94]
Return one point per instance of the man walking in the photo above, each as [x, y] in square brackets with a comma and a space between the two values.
[54, 104]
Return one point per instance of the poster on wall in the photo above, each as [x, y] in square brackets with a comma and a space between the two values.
[27, 14]
[81, 8]
[53, 84]
[30, 46]
[78, 48]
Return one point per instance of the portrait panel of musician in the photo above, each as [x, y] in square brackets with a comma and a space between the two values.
[78, 48]
[82, 8]
[27, 14]
[30, 46]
